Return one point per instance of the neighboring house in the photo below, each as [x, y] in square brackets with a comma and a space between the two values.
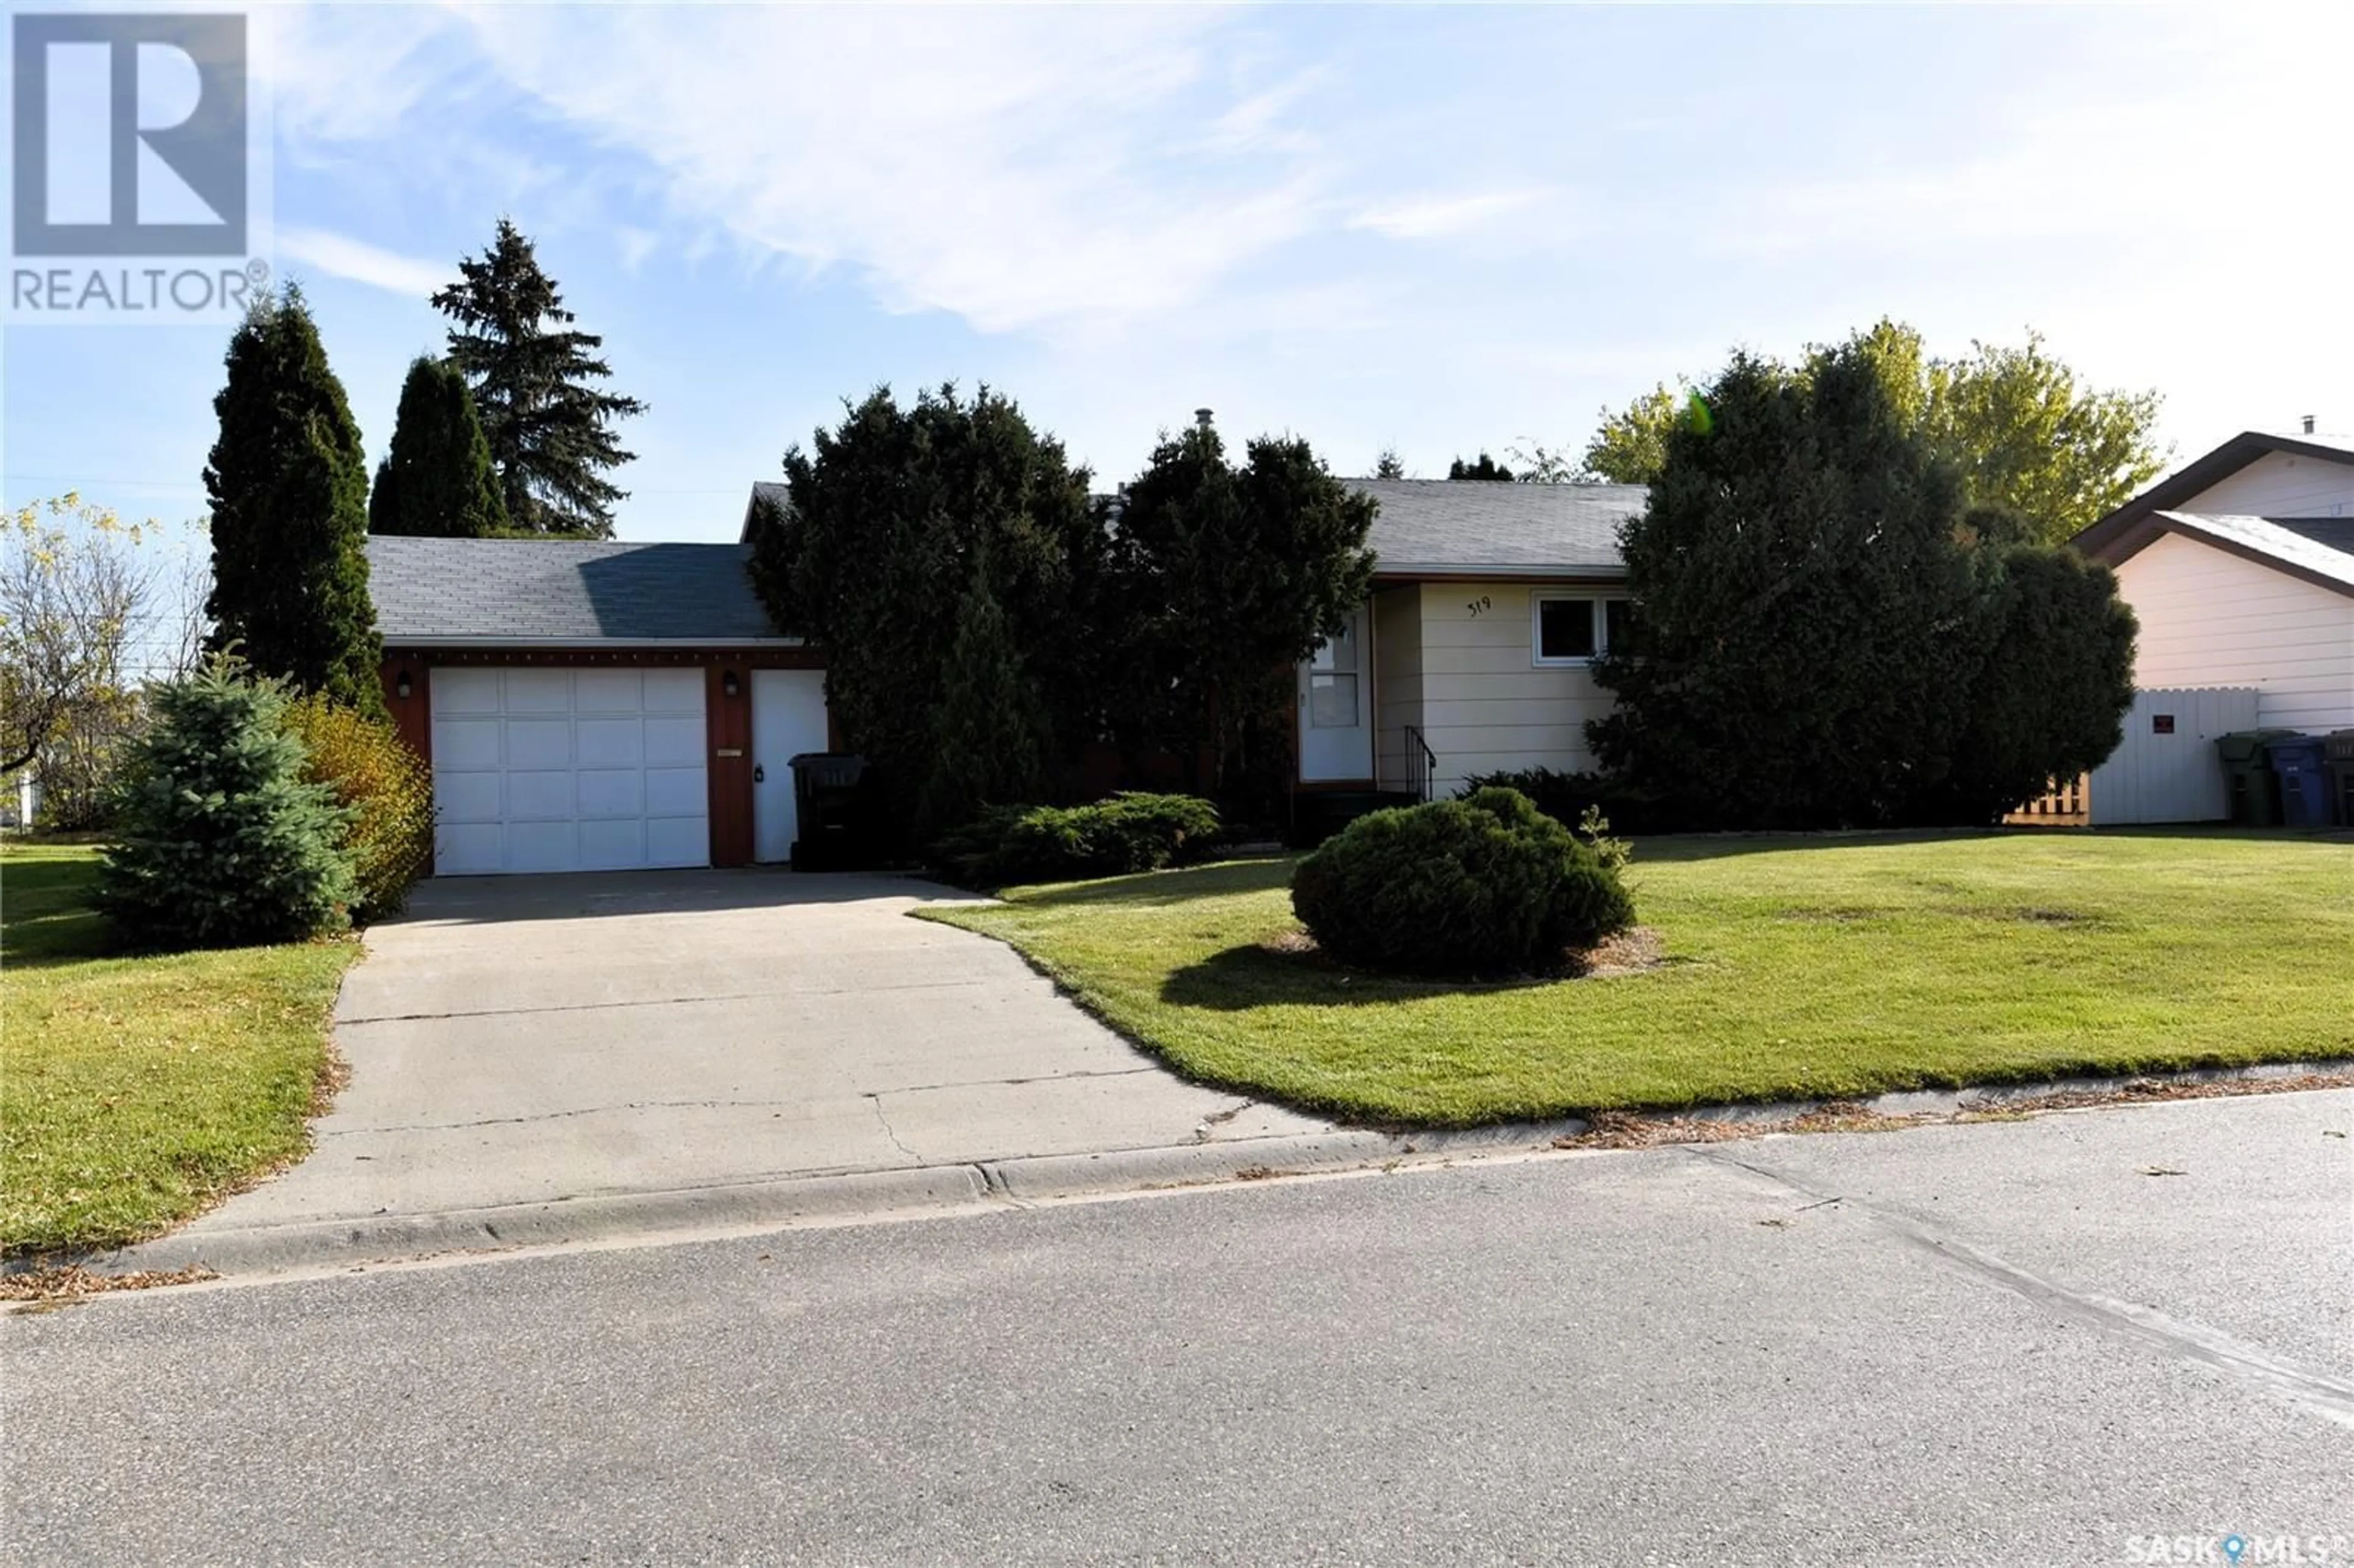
[2240, 567]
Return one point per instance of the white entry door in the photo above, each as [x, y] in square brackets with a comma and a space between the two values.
[552, 769]
[1336, 702]
[788, 718]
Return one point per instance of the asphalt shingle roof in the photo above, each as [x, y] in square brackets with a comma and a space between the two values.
[563, 591]
[1451, 524]
[2310, 557]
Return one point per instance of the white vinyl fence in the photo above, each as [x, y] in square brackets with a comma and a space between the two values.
[2167, 769]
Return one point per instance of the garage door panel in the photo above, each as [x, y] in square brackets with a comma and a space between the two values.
[612, 845]
[539, 743]
[543, 846]
[673, 742]
[463, 692]
[539, 691]
[607, 692]
[538, 769]
[615, 792]
[468, 849]
[470, 797]
[608, 742]
[465, 744]
[674, 692]
[541, 796]
[676, 793]
[678, 840]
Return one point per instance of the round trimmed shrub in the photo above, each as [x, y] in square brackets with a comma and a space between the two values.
[1487, 886]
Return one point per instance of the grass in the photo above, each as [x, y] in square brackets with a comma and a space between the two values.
[135, 1092]
[1795, 969]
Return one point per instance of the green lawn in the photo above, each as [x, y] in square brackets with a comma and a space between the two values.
[137, 1092]
[1795, 967]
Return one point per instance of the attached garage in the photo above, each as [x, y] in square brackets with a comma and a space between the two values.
[588, 705]
[554, 769]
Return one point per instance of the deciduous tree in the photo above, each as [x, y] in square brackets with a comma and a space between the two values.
[2018, 425]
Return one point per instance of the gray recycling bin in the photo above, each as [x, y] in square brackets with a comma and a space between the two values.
[2255, 788]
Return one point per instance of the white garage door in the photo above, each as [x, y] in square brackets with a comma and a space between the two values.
[537, 769]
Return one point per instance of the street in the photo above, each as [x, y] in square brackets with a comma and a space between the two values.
[2085, 1337]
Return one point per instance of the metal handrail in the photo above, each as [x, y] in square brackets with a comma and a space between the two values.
[1425, 764]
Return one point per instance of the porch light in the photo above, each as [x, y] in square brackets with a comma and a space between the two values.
[729, 684]
[400, 687]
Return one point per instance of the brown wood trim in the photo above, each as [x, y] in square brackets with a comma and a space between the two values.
[728, 723]
[577, 658]
[412, 715]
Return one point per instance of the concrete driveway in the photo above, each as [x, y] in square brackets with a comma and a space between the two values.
[550, 1039]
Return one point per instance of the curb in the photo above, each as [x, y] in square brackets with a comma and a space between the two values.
[999, 1183]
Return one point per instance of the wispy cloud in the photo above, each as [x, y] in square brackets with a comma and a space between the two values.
[1432, 218]
[1020, 169]
[341, 256]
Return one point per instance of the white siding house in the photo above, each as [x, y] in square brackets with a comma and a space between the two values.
[1489, 604]
[2241, 570]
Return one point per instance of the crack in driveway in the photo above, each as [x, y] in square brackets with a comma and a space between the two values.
[701, 996]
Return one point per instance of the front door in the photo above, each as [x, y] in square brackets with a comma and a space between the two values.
[788, 718]
[1336, 707]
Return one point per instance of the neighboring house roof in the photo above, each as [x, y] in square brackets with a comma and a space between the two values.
[2127, 529]
[2280, 545]
[562, 593]
[2337, 533]
[1446, 527]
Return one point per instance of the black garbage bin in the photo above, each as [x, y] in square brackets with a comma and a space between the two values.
[2303, 785]
[2337, 757]
[2255, 788]
[829, 826]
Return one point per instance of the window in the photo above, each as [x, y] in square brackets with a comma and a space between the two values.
[1332, 683]
[1571, 629]
[1566, 631]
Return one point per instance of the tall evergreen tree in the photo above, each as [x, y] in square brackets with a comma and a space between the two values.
[436, 479]
[894, 516]
[990, 735]
[1808, 619]
[535, 381]
[1224, 578]
[287, 483]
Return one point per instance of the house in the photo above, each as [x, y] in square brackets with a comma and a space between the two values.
[601, 706]
[2240, 567]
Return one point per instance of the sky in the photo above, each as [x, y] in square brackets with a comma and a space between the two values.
[1431, 230]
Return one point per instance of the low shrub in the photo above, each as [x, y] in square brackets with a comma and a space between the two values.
[1487, 885]
[1129, 832]
[222, 842]
[1567, 797]
[386, 786]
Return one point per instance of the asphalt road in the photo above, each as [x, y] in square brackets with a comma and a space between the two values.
[2004, 1344]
